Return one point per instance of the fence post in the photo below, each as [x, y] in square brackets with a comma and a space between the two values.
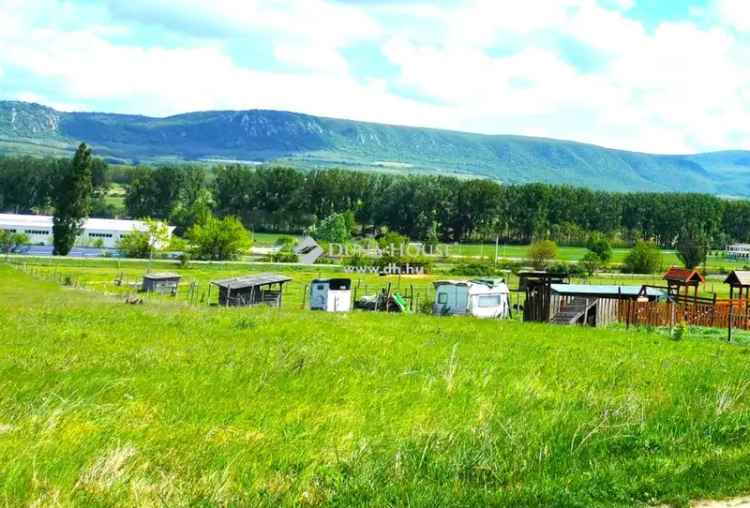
[627, 315]
[729, 322]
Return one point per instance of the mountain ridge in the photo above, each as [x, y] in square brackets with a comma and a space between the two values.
[307, 141]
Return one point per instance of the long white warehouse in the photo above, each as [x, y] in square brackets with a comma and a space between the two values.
[96, 232]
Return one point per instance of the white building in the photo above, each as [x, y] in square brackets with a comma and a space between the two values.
[483, 298]
[96, 232]
[331, 295]
[738, 251]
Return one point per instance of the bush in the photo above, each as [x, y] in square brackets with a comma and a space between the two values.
[644, 257]
[566, 268]
[599, 245]
[219, 239]
[590, 263]
[541, 253]
[334, 229]
[680, 331]
[476, 270]
[136, 244]
[282, 257]
[12, 242]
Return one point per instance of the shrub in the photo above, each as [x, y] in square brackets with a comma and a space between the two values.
[334, 229]
[12, 242]
[644, 257]
[541, 253]
[475, 269]
[219, 239]
[680, 331]
[590, 263]
[599, 245]
[136, 244]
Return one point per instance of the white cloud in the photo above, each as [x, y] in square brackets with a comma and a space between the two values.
[735, 13]
[676, 88]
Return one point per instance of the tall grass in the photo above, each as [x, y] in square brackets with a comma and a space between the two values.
[165, 404]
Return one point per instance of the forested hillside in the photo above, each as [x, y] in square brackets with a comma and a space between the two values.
[306, 141]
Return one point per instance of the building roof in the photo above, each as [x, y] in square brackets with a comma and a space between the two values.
[486, 283]
[93, 224]
[683, 276]
[249, 281]
[162, 276]
[738, 278]
[605, 290]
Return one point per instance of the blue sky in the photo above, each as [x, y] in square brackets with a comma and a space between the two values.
[649, 75]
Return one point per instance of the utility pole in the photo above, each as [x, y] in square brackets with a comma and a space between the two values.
[497, 246]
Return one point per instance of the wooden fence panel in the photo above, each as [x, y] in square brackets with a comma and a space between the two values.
[704, 313]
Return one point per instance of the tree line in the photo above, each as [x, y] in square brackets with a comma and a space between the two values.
[422, 207]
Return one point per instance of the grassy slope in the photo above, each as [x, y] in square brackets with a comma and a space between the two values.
[107, 404]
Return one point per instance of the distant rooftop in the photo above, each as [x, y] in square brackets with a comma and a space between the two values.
[45, 221]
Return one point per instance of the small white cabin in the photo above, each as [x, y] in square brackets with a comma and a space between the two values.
[331, 295]
[482, 298]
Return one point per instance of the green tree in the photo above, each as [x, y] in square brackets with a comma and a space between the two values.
[692, 248]
[219, 239]
[72, 201]
[10, 242]
[590, 263]
[333, 229]
[145, 244]
[541, 253]
[599, 245]
[644, 257]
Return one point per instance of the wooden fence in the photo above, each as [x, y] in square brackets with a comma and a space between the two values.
[700, 312]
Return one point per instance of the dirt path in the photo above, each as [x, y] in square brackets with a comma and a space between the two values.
[738, 502]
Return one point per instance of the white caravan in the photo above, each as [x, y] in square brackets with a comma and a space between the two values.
[331, 295]
[482, 298]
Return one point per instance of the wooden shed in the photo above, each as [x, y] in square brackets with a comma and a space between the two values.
[679, 278]
[739, 280]
[596, 305]
[162, 283]
[263, 289]
[537, 286]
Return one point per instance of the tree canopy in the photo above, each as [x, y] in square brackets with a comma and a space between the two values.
[72, 201]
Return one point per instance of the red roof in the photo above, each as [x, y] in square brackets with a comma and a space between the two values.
[684, 276]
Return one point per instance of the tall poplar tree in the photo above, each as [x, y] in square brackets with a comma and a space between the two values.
[72, 201]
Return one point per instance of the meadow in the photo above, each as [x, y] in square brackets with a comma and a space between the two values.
[167, 404]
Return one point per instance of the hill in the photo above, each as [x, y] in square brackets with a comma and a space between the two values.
[260, 136]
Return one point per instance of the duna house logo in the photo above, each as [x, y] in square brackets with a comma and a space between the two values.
[308, 251]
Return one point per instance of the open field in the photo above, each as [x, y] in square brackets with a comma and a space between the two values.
[103, 403]
[519, 252]
[100, 274]
[568, 254]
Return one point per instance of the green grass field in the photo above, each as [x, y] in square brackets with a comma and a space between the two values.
[165, 404]
[568, 254]
[100, 274]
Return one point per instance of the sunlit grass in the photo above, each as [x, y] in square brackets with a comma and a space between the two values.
[165, 404]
